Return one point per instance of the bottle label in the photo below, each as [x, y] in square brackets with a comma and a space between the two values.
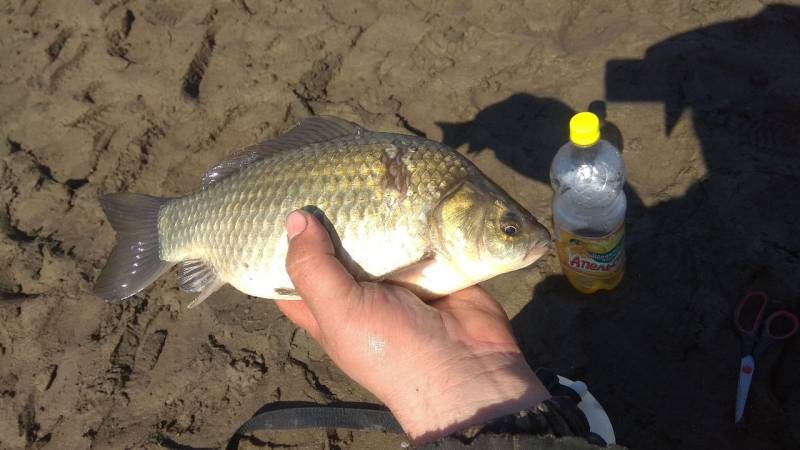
[595, 257]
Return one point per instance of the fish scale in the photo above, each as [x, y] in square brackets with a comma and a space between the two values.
[399, 207]
[222, 225]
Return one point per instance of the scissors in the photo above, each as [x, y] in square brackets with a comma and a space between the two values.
[778, 326]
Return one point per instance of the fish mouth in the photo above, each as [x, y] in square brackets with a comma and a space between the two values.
[539, 249]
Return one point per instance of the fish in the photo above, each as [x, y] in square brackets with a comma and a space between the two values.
[399, 208]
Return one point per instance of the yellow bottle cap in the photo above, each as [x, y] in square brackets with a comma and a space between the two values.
[584, 129]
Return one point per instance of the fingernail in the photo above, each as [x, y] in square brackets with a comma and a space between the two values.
[295, 224]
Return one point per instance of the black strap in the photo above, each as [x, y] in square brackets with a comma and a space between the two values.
[322, 417]
[558, 416]
[296, 415]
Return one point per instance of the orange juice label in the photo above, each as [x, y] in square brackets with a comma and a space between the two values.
[595, 257]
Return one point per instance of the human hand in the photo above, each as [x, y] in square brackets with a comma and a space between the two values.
[440, 367]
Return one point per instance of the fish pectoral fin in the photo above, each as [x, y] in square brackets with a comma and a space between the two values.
[194, 275]
[309, 131]
[412, 277]
[431, 278]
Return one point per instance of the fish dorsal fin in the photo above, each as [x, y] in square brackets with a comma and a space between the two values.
[309, 131]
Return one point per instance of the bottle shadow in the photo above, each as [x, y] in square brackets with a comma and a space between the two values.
[526, 131]
[660, 351]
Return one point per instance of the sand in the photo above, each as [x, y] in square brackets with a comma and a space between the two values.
[106, 96]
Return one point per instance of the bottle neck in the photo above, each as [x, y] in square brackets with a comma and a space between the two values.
[584, 146]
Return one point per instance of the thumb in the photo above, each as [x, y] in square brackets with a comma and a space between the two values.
[313, 267]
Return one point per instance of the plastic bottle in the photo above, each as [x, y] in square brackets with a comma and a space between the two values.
[589, 203]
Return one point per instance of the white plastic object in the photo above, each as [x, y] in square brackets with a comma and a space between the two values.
[598, 419]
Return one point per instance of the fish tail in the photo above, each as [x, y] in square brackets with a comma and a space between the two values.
[134, 262]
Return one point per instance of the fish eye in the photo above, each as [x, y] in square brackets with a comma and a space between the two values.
[510, 229]
[509, 223]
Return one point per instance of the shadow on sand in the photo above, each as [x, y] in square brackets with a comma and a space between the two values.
[660, 351]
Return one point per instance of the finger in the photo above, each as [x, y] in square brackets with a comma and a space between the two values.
[300, 315]
[320, 279]
[473, 297]
[472, 293]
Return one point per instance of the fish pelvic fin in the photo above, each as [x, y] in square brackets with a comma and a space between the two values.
[209, 288]
[196, 276]
[134, 262]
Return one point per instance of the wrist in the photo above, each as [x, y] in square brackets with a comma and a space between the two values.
[465, 392]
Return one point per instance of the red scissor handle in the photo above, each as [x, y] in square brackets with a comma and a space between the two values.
[776, 325]
[752, 299]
